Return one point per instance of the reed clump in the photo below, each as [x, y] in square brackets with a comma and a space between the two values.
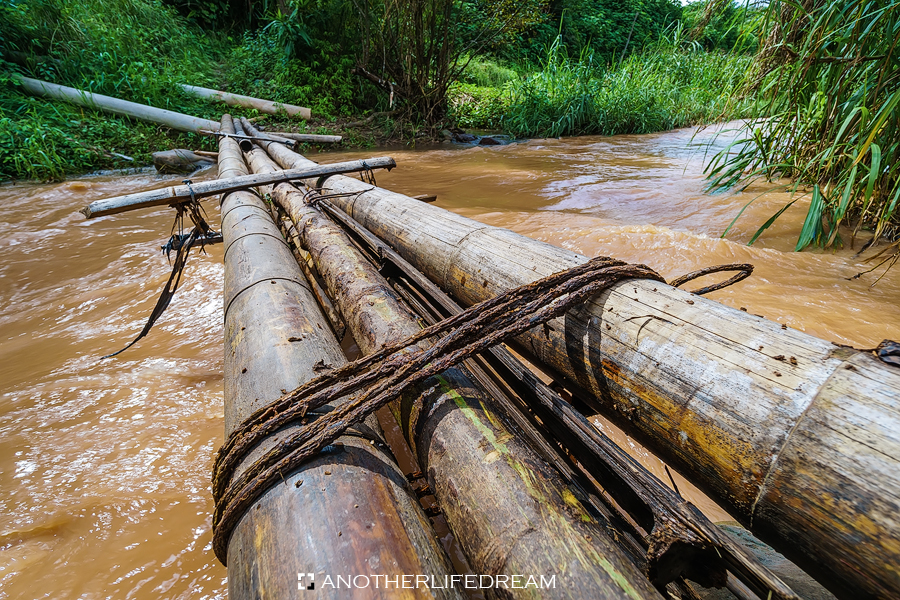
[827, 89]
[669, 84]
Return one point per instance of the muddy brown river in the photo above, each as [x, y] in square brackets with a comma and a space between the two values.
[105, 465]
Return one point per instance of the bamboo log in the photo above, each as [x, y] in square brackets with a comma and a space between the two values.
[350, 511]
[310, 138]
[116, 106]
[203, 189]
[266, 106]
[798, 438]
[509, 510]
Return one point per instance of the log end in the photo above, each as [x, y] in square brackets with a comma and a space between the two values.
[86, 211]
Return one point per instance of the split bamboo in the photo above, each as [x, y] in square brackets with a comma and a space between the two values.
[798, 438]
[266, 106]
[169, 118]
[348, 512]
[510, 511]
[203, 189]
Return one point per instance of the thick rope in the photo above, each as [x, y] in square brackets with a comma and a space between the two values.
[384, 376]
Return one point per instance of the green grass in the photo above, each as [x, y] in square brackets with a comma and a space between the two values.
[665, 86]
[662, 87]
[136, 50]
[828, 82]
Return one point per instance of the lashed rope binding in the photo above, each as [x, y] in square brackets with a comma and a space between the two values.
[382, 377]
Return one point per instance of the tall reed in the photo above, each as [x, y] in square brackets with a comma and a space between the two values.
[669, 84]
[828, 88]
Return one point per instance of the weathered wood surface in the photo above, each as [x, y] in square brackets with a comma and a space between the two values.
[348, 512]
[289, 231]
[310, 138]
[203, 189]
[116, 106]
[713, 390]
[266, 106]
[510, 512]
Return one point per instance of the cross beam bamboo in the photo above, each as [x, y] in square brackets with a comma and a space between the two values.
[310, 138]
[266, 106]
[798, 438]
[349, 511]
[182, 193]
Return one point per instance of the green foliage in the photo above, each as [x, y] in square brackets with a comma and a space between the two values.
[132, 49]
[733, 27]
[607, 29]
[321, 80]
[485, 72]
[477, 106]
[662, 87]
[828, 86]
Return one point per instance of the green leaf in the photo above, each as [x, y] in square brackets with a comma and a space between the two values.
[813, 224]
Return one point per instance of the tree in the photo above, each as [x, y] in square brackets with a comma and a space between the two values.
[414, 49]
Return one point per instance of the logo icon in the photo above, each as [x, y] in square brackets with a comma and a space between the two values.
[310, 577]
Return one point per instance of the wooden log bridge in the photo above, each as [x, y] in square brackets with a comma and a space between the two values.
[797, 437]
[509, 510]
[183, 193]
[348, 511]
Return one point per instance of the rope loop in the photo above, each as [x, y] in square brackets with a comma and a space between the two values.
[744, 271]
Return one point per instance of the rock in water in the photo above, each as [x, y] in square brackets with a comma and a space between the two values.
[179, 161]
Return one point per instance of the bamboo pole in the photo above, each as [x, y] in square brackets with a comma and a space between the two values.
[310, 138]
[510, 512]
[348, 512]
[203, 189]
[266, 106]
[116, 106]
[798, 438]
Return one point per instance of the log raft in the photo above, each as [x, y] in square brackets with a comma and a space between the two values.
[797, 437]
[275, 339]
[509, 510]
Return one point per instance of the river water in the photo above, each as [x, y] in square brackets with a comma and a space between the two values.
[104, 465]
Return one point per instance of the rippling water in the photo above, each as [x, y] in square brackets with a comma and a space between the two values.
[104, 465]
